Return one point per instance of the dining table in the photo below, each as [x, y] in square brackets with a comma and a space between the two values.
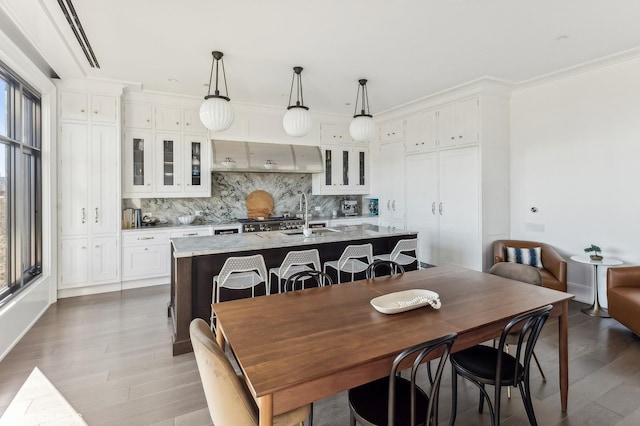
[298, 347]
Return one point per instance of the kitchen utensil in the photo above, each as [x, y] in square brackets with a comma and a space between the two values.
[259, 204]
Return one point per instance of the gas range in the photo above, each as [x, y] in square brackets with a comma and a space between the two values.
[280, 223]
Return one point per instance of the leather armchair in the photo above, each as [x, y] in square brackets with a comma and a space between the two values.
[623, 295]
[554, 271]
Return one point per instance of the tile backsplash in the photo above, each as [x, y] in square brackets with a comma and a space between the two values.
[229, 191]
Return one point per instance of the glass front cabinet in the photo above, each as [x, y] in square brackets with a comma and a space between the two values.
[346, 171]
[169, 165]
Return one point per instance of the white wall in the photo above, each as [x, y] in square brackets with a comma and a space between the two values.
[575, 155]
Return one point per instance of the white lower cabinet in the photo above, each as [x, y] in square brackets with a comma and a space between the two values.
[145, 254]
[88, 261]
[443, 205]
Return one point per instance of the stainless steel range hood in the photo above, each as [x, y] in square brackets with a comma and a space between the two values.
[233, 156]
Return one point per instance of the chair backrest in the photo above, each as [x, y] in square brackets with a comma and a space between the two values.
[515, 271]
[386, 265]
[228, 401]
[243, 264]
[420, 351]
[301, 277]
[402, 246]
[526, 328]
[356, 252]
[300, 257]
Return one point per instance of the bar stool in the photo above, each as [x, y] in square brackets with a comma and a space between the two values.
[239, 273]
[349, 260]
[397, 254]
[295, 261]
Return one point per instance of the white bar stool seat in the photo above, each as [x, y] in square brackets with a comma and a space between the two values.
[350, 262]
[294, 262]
[397, 254]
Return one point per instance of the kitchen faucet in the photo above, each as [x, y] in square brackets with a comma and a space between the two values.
[305, 229]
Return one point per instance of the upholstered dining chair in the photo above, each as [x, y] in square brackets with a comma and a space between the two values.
[526, 274]
[388, 266]
[484, 365]
[394, 400]
[300, 278]
[554, 267]
[228, 399]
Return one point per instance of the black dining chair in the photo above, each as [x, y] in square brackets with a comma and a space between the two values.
[394, 400]
[301, 278]
[388, 266]
[485, 365]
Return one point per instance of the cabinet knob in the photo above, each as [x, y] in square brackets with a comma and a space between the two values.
[97, 247]
[146, 249]
[187, 124]
[460, 137]
[81, 110]
[95, 112]
[148, 120]
[177, 123]
[453, 137]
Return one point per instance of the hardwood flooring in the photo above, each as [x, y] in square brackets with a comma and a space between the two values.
[110, 356]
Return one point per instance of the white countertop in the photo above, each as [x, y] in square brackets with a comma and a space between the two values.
[200, 246]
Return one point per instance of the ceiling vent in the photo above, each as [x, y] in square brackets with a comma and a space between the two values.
[76, 26]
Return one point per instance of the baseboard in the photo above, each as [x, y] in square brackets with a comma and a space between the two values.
[85, 291]
[581, 292]
[149, 282]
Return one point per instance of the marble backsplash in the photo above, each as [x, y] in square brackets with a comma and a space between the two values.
[230, 191]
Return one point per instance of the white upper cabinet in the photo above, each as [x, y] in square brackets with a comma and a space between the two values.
[74, 105]
[458, 123]
[346, 171]
[137, 116]
[392, 131]
[334, 133]
[191, 121]
[104, 109]
[168, 118]
[421, 132]
[138, 160]
[79, 106]
[168, 164]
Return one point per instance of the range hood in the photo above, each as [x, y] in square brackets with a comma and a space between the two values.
[233, 156]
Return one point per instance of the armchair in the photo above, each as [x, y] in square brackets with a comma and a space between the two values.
[554, 267]
[623, 295]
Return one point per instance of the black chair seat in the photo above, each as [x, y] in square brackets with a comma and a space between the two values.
[480, 362]
[370, 401]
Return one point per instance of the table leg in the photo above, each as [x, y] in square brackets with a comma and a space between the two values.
[220, 337]
[265, 404]
[563, 349]
[595, 310]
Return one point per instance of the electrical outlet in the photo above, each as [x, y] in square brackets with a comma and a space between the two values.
[317, 208]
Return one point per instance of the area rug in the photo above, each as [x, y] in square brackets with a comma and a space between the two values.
[38, 402]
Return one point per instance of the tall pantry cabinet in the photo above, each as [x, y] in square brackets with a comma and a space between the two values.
[457, 175]
[88, 187]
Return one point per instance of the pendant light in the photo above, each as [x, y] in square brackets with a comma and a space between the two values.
[216, 112]
[297, 120]
[362, 127]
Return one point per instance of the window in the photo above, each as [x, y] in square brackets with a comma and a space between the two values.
[20, 184]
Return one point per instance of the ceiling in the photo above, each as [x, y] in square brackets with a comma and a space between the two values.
[407, 48]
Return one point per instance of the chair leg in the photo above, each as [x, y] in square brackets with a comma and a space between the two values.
[506, 349]
[526, 399]
[454, 395]
[481, 401]
[495, 421]
[535, 358]
[352, 419]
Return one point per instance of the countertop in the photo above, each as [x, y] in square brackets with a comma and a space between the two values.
[200, 246]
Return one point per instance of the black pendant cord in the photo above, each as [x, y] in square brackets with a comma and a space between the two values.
[365, 105]
[291, 90]
[211, 77]
[224, 76]
[355, 108]
[300, 95]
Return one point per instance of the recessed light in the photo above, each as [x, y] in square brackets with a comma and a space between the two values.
[561, 37]
[173, 80]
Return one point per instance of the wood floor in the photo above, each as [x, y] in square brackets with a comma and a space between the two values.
[110, 356]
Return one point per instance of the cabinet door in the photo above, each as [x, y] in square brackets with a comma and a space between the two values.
[104, 109]
[336, 168]
[392, 131]
[105, 258]
[392, 178]
[73, 106]
[138, 163]
[459, 208]
[167, 118]
[196, 168]
[73, 179]
[149, 261]
[359, 169]
[169, 164]
[467, 121]
[103, 175]
[334, 133]
[421, 132]
[422, 203]
[192, 123]
[137, 116]
[446, 132]
[74, 262]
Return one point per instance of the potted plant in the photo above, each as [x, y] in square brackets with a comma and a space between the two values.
[596, 252]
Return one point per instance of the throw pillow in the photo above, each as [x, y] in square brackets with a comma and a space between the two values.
[525, 256]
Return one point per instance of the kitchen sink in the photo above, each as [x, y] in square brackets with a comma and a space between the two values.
[314, 231]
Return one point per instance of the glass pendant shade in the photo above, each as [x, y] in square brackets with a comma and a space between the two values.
[216, 113]
[297, 122]
[362, 128]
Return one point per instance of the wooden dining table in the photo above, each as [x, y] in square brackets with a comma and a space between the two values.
[298, 347]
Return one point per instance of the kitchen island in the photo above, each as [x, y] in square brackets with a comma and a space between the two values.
[196, 260]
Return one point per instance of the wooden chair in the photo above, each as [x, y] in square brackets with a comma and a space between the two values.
[389, 266]
[321, 279]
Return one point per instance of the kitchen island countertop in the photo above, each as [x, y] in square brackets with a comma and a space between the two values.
[201, 246]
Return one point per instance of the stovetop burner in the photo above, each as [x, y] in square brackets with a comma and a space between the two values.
[268, 219]
[275, 223]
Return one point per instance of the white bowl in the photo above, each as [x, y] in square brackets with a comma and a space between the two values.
[187, 219]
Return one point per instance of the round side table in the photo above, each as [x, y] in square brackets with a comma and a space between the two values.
[595, 310]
